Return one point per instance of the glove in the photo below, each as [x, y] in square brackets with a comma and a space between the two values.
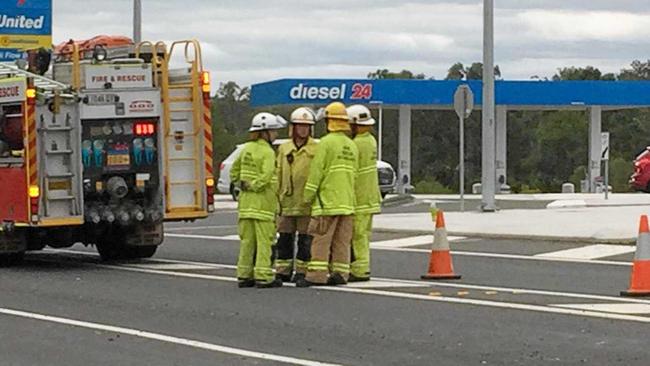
[244, 186]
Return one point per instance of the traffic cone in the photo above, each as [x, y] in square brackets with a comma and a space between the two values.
[640, 278]
[440, 266]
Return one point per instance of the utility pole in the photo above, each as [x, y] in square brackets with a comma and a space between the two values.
[488, 175]
[137, 21]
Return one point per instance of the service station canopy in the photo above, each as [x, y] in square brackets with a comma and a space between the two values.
[434, 94]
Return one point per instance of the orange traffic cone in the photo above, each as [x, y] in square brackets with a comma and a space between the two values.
[440, 266]
[640, 279]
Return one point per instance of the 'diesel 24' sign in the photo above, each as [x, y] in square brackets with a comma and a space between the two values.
[24, 25]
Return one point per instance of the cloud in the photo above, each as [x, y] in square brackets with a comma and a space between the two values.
[259, 40]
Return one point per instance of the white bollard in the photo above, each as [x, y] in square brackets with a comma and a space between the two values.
[568, 188]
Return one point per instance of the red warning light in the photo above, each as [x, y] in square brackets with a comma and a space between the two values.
[144, 128]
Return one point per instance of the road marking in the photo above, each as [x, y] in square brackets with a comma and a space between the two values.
[384, 283]
[173, 266]
[163, 338]
[409, 242]
[609, 308]
[590, 252]
[205, 237]
[461, 253]
[489, 303]
[184, 228]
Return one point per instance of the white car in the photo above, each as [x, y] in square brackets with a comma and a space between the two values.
[387, 176]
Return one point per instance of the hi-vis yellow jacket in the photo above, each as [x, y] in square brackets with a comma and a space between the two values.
[255, 167]
[330, 186]
[293, 169]
[367, 182]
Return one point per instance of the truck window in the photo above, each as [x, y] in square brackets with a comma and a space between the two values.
[12, 149]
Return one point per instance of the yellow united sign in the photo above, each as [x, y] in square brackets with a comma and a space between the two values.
[25, 42]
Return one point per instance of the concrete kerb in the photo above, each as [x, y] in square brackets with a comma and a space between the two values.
[587, 240]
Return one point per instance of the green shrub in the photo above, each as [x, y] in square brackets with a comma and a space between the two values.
[431, 186]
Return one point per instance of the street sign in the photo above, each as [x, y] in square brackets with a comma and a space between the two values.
[604, 145]
[24, 25]
[463, 101]
[463, 104]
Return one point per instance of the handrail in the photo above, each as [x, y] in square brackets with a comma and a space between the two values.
[196, 47]
[76, 67]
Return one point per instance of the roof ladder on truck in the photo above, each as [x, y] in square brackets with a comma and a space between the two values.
[188, 132]
[57, 136]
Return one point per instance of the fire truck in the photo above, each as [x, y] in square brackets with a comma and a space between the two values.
[105, 150]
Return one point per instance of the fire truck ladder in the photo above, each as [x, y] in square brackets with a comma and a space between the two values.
[40, 82]
[58, 162]
[182, 114]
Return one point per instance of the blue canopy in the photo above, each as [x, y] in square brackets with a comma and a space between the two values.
[440, 94]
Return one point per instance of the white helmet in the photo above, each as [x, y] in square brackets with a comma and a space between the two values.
[267, 121]
[360, 115]
[303, 115]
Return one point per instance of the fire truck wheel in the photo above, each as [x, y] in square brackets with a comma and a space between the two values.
[146, 251]
[111, 249]
[11, 259]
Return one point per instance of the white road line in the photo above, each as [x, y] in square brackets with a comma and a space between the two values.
[609, 308]
[409, 242]
[513, 256]
[385, 282]
[163, 338]
[461, 253]
[590, 252]
[184, 228]
[173, 266]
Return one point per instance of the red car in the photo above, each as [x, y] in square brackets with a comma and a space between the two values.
[640, 180]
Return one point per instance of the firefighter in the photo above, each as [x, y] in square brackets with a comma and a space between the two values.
[293, 161]
[368, 197]
[330, 190]
[254, 173]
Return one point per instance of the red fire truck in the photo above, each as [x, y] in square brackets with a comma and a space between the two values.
[106, 150]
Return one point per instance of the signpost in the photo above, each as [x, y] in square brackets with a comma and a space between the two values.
[24, 25]
[604, 155]
[463, 105]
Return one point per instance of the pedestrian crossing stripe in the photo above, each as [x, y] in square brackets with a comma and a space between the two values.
[410, 241]
[590, 252]
[617, 308]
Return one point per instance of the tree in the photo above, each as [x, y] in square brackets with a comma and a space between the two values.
[639, 71]
[580, 73]
[474, 72]
[385, 74]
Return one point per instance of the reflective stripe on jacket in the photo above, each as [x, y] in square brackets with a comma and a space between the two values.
[330, 186]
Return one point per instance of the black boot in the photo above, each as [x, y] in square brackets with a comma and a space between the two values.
[283, 277]
[245, 282]
[275, 283]
[336, 279]
[298, 277]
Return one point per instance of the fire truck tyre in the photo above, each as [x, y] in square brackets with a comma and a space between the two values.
[146, 251]
[11, 259]
[111, 248]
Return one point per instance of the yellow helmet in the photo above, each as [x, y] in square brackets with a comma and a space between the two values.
[336, 111]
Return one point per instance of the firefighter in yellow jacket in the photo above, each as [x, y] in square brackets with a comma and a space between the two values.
[368, 197]
[254, 173]
[330, 190]
[293, 161]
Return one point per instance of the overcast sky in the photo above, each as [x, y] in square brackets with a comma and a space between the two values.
[250, 41]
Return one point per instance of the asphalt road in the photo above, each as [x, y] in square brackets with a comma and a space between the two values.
[511, 307]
